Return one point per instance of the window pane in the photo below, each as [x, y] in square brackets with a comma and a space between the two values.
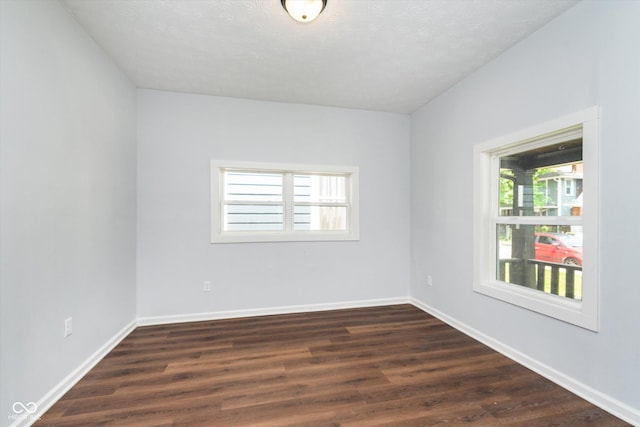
[253, 218]
[317, 218]
[545, 181]
[320, 188]
[542, 257]
[253, 186]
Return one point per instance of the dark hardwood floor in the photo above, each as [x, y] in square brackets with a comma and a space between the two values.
[389, 366]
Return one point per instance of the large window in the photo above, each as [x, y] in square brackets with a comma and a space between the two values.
[535, 225]
[256, 202]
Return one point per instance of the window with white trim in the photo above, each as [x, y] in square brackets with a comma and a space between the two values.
[536, 218]
[266, 202]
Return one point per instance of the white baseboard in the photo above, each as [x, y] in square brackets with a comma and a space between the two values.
[70, 380]
[609, 404]
[232, 314]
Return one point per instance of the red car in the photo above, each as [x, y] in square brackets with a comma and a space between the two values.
[559, 248]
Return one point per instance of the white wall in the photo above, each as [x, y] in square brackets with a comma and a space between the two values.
[178, 134]
[588, 56]
[68, 199]
[68, 184]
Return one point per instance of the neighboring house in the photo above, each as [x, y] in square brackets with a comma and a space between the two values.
[562, 188]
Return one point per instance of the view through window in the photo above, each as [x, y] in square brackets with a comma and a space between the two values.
[254, 202]
[539, 226]
[535, 224]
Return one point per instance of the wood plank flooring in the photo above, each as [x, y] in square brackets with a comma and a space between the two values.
[379, 366]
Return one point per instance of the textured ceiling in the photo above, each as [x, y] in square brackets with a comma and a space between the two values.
[387, 55]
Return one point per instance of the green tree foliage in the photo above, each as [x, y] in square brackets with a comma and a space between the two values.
[507, 187]
[540, 198]
[506, 191]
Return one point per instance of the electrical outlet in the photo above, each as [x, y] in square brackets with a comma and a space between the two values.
[68, 327]
[429, 280]
[206, 286]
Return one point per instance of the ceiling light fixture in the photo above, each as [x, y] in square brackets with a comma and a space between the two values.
[304, 10]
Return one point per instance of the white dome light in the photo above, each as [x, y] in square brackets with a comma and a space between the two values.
[304, 10]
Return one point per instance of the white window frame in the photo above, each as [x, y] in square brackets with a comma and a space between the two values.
[583, 313]
[219, 235]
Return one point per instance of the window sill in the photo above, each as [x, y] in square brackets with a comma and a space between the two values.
[299, 236]
[570, 311]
